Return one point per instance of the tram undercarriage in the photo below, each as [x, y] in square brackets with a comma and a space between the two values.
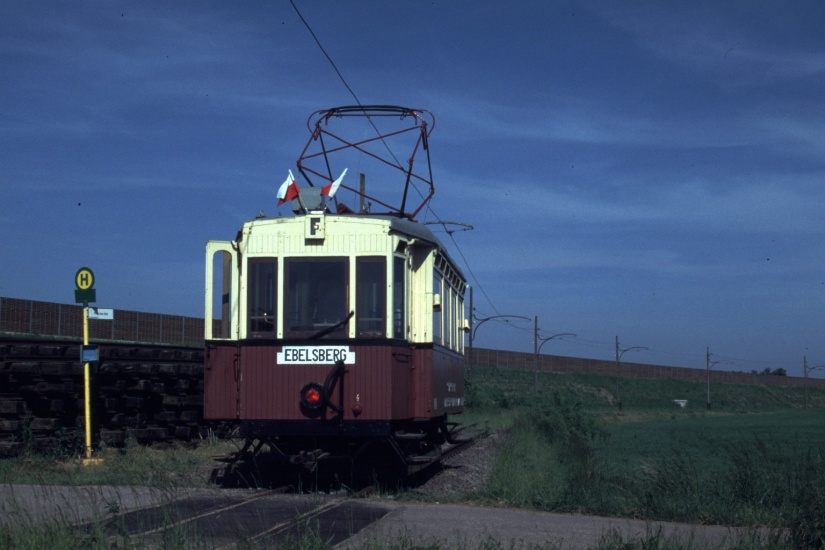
[363, 453]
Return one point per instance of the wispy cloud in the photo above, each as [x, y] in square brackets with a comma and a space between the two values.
[747, 43]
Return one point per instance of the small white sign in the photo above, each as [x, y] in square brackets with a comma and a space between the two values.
[452, 402]
[315, 355]
[101, 313]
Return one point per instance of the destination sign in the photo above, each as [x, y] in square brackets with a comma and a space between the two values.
[315, 355]
[101, 313]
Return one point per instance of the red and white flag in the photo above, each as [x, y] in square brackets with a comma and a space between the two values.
[329, 190]
[288, 190]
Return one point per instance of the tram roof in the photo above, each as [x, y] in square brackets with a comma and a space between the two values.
[396, 223]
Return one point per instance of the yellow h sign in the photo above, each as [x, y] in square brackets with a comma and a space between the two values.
[84, 279]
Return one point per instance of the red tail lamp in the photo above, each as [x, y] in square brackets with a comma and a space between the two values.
[357, 410]
[312, 396]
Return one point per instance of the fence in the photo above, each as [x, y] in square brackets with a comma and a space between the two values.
[557, 363]
[62, 320]
[49, 319]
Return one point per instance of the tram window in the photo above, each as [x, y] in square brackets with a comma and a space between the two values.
[261, 297]
[449, 324]
[456, 321]
[398, 293]
[437, 289]
[316, 296]
[371, 296]
[221, 294]
[460, 323]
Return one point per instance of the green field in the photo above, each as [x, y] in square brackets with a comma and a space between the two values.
[643, 396]
[757, 458]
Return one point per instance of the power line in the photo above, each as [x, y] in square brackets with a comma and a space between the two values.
[331, 62]
[450, 233]
[344, 82]
[358, 102]
[472, 274]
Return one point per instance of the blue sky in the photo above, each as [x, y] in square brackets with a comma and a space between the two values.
[647, 170]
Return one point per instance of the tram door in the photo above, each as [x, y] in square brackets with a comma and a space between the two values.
[221, 391]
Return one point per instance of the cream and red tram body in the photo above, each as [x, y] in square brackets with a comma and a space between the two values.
[335, 335]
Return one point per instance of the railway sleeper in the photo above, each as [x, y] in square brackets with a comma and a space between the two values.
[41, 368]
[166, 416]
[122, 419]
[13, 407]
[182, 400]
[57, 350]
[191, 416]
[120, 403]
[9, 426]
[20, 350]
[144, 385]
[416, 436]
[70, 368]
[44, 381]
[191, 369]
[148, 435]
[65, 386]
[43, 405]
[113, 386]
[184, 433]
[169, 369]
[11, 448]
[40, 424]
[145, 369]
[142, 353]
[112, 438]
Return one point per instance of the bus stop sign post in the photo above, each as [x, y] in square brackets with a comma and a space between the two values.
[84, 282]
[84, 293]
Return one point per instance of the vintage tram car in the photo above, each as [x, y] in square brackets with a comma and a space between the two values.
[340, 334]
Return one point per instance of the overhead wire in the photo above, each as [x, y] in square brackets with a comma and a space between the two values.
[343, 80]
[324, 51]
[470, 271]
[358, 102]
[450, 233]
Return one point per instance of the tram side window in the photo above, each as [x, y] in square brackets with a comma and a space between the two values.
[316, 296]
[371, 296]
[447, 301]
[399, 328]
[261, 297]
[221, 294]
[456, 321]
[460, 323]
[437, 312]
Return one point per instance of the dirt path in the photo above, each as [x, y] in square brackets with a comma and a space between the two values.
[469, 527]
[451, 525]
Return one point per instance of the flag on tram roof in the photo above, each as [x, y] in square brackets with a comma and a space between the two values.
[332, 188]
[288, 190]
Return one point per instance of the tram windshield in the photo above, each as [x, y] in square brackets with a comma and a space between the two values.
[316, 297]
[371, 296]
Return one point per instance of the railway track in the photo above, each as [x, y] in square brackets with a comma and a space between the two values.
[250, 469]
[152, 393]
[464, 438]
[248, 519]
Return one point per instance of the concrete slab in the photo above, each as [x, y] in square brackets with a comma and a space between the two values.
[460, 526]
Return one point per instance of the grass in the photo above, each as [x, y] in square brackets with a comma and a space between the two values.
[502, 389]
[44, 516]
[756, 459]
[752, 469]
[135, 464]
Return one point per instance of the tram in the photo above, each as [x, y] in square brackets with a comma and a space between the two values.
[336, 332]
